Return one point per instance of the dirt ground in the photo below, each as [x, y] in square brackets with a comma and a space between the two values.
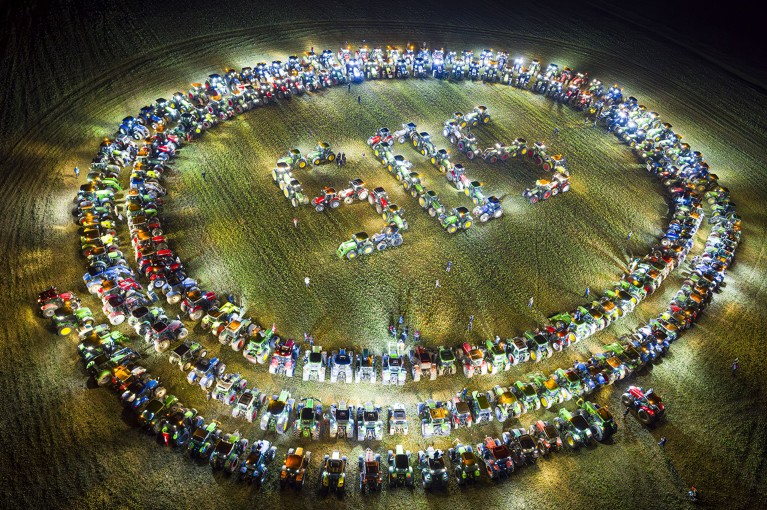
[72, 72]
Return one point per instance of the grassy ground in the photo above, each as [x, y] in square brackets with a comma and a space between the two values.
[71, 443]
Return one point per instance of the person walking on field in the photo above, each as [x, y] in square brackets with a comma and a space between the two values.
[77, 172]
[735, 366]
[471, 323]
[449, 265]
[295, 222]
[307, 281]
[359, 99]
[436, 284]
[530, 303]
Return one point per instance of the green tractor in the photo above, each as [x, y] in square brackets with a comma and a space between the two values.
[474, 191]
[281, 174]
[574, 428]
[359, 244]
[393, 214]
[430, 203]
[321, 154]
[441, 159]
[295, 193]
[602, 423]
[65, 320]
[412, 182]
[400, 167]
[478, 116]
[459, 218]
[549, 391]
[295, 159]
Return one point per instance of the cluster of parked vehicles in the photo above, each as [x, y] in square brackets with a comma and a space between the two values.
[149, 142]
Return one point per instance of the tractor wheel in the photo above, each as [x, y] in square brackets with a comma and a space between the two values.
[461, 145]
[173, 298]
[554, 191]
[534, 356]
[49, 311]
[379, 209]
[186, 367]
[331, 157]
[162, 345]
[627, 400]
[65, 330]
[368, 249]
[397, 241]
[537, 160]
[294, 202]
[382, 246]
[570, 440]
[475, 200]
[317, 161]
[362, 195]
[104, 378]
[414, 193]
[422, 201]
[498, 213]
[486, 119]
[390, 168]
[470, 154]
[452, 139]
[644, 417]
[196, 315]
[432, 212]
[423, 152]
[398, 176]
[348, 200]
[484, 217]
[433, 160]
[302, 163]
[160, 392]
[598, 433]
[319, 207]
[415, 143]
[545, 402]
[183, 333]
[467, 225]
[335, 204]
[116, 320]
[451, 229]
[351, 255]
[285, 190]
[546, 167]
[274, 175]
[405, 184]
[383, 215]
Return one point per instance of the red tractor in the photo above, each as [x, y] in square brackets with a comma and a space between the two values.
[356, 190]
[382, 135]
[51, 300]
[647, 405]
[197, 302]
[328, 198]
[379, 199]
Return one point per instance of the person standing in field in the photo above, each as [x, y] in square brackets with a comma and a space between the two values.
[307, 281]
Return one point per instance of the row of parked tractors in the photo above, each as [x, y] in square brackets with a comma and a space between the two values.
[682, 171]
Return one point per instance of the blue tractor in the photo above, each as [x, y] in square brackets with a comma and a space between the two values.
[489, 208]
[131, 127]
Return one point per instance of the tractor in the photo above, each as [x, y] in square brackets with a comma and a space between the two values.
[574, 428]
[434, 473]
[400, 470]
[478, 116]
[365, 368]
[293, 471]
[430, 203]
[315, 364]
[341, 420]
[321, 154]
[489, 207]
[333, 473]
[441, 159]
[397, 418]
[278, 413]
[369, 424]
[412, 182]
[473, 190]
[423, 364]
[393, 214]
[602, 423]
[371, 476]
[647, 405]
[393, 366]
[465, 462]
[309, 418]
[507, 405]
[388, 237]
[328, 198]
[341, 366]
[294, 192]
[359, 244]
[473, 359]
[458, 219]
[294, 159]
[356, 190]
[284, 359]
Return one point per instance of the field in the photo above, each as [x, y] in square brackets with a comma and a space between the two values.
[235, 231]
